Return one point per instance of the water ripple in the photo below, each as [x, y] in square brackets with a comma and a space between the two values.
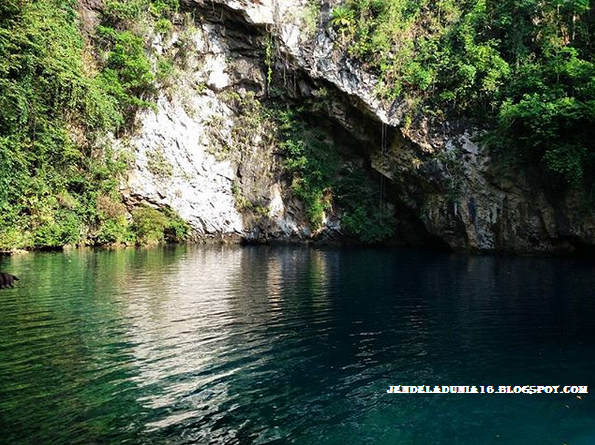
[291, 346]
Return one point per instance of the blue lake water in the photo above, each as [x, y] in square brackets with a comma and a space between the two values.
[293, 345]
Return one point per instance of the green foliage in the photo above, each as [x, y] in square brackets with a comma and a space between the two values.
[123, 13]
[250, 118]
[65, 228]
[312, 161]
[160, 8]
[118, 11]
[149, 225]
[158, 164]
[523, 69]
[364, 216]
[114, 231]
[163, 26]
[113, 224]
[314, 164]
[343, 19]
[555, 122]
[127, 75]
[165, 72]
[11, 237]
[152, 226]
[45, 96]
[53, 172]
[310, 16]
[269, 56]
[177, 229]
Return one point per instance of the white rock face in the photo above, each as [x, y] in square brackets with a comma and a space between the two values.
[199, 187]
[186, 156]
[316, 56]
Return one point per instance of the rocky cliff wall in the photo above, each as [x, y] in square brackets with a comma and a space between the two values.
[204, 155]
[205, 152]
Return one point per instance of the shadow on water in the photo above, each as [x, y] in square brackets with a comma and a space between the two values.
[257, 345]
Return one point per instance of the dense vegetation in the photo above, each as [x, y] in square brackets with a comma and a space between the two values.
[319, 180]
[58, 180]
[318, 176]
[524, 69]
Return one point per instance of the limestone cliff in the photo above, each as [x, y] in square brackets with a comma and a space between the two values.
[205, 154]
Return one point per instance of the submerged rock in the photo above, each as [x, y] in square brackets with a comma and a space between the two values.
[7, 280]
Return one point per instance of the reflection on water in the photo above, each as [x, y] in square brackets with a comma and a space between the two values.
[292, 345]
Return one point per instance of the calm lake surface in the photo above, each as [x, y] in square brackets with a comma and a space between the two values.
[263, 345]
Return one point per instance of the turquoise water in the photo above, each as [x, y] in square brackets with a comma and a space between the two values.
[263, 345]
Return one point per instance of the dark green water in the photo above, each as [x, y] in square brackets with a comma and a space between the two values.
[293, 345]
